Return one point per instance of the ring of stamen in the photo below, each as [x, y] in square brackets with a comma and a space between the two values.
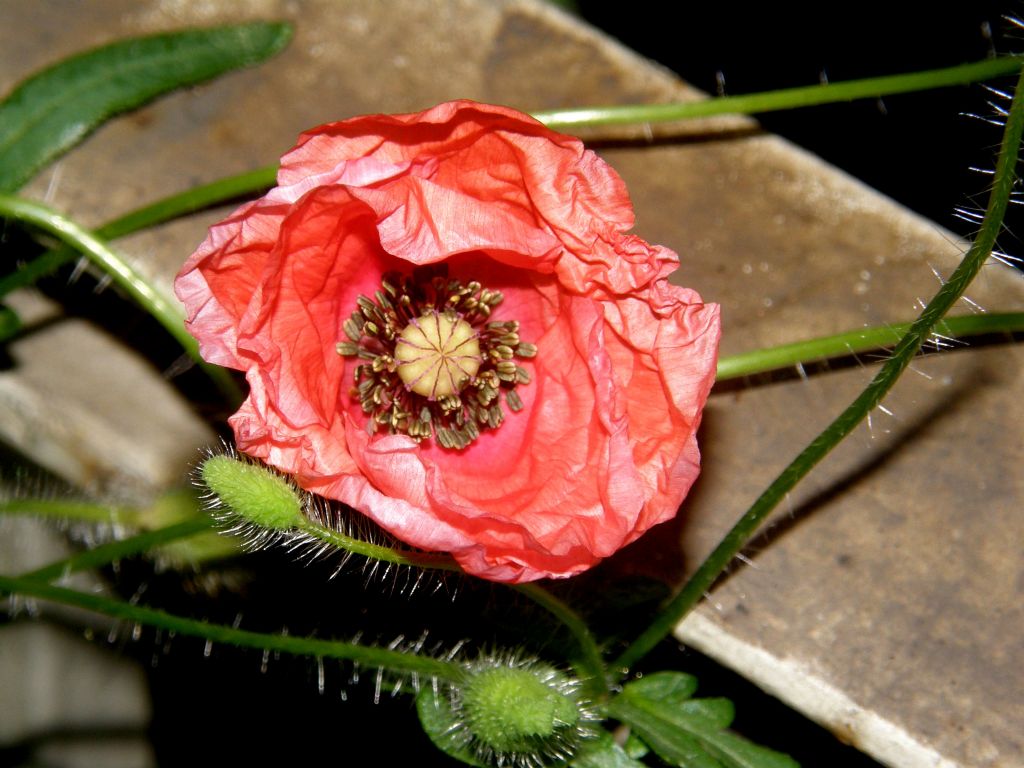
[434, 363]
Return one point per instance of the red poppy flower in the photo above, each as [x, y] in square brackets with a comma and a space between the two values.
[444, 326]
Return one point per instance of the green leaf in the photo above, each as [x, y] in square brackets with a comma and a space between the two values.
[603, 752]
[671, 743]
[667, 687]
[53, 110]
[440, 722]
[688, 732]
[734, 750]
[717, 713]
[635, 747]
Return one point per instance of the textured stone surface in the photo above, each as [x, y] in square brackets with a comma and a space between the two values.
[886, 600]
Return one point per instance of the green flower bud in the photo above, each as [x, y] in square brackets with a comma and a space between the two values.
[513, 710]
[510, 713]
[256, 494]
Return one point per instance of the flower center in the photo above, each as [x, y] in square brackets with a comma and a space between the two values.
[437, 354]
[435, 364]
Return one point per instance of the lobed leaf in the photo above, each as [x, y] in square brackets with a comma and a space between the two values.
[603, 752]
[688, 732]
[671, 743]
[53, 110]
[666, 687]
[440, 725]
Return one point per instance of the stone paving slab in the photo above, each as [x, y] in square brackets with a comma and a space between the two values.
[884, 603]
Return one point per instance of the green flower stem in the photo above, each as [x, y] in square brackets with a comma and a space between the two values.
[1002, 185]
[63, 509]
[377, 551]
[100, 253]
[591, 664]
[117, 550]
[190, 201]
[855, 342]
[789, 98]
[106, 553]
[164, 210]
[218, 633]
[128, 279]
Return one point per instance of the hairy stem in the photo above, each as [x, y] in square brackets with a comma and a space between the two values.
[63, 509]
[218, 633]
[591, 664]
[855, 342]
[175, 206]
[161, 307]
[377, 551]
[117, 550]
[698, 584]
[789, 98]
[190, 201]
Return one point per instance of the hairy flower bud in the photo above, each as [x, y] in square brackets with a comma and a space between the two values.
[514, 710]
[509, 712]
[253, 492]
